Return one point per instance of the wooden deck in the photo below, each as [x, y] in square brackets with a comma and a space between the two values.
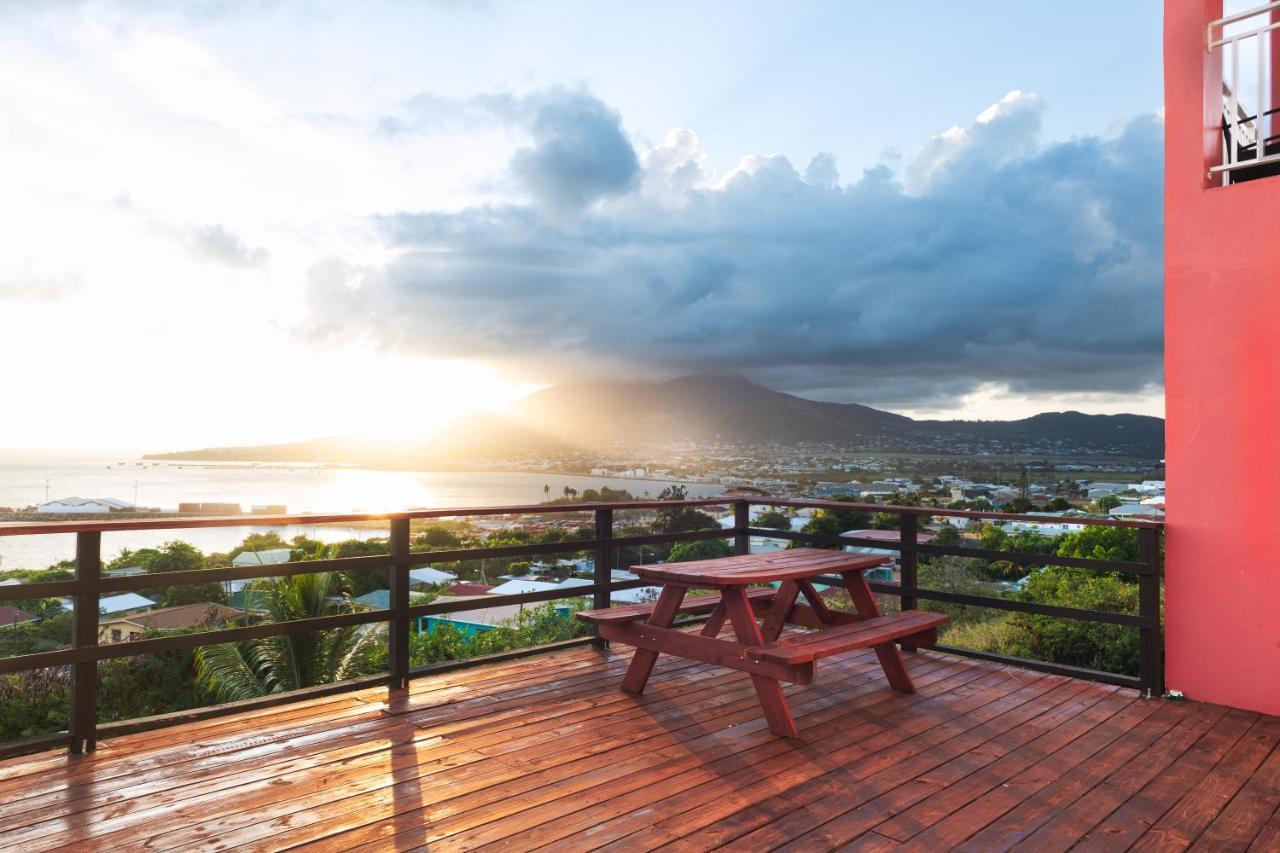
[547, 751]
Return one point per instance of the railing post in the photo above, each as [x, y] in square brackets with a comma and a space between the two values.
[84, 634]
[398, 626]
[601, 574]
[1150, 667]
[741, 521]
[908, 562]
[909, 559]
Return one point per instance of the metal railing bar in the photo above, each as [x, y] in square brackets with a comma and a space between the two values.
[802, 503]
[1020, 557]
[1080, 672]
[37, 528]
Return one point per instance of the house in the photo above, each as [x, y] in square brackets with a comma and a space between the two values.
[480, 620]
[125, 602]
[515, 587]
[10, 616]
[125, 572]
[1054, 523]
[1137, 512]
[122, 629]
[429, 576]
[568, 582]
[378, 599]
[270, 557]
[87, 506]
[248, 599]
[639, 595]
[891, 538]
[459, 590]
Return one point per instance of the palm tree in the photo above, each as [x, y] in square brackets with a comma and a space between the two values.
[546, 491]
[233, 671]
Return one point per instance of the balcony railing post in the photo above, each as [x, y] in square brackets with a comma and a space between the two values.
[84, 634]
[908, 561]
[602, 565]
[741, 521]
[1151, 665]
[398, 626]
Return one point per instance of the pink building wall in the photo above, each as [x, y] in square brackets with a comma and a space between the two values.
[1222, 367]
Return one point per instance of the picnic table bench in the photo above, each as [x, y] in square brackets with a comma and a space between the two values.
[759, 648]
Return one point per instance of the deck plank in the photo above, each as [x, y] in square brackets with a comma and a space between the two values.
[548, 752]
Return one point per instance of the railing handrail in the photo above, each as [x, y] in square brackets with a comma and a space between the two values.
[89, 582]
[38, 528]
[1236, 18]
[1240, 132]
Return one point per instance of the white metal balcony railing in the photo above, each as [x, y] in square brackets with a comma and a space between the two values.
[1249, 141]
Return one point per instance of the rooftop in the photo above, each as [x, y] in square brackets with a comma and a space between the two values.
[180, 616]
[546, 749]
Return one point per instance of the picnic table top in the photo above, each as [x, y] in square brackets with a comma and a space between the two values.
[793, 564]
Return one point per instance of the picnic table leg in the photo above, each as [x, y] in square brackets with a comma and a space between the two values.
[664, 613]
[890, 658]
[715, 621]
[816, 601]
[776, 619]
[768, 690]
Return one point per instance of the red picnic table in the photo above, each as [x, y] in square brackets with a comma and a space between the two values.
[758, 647]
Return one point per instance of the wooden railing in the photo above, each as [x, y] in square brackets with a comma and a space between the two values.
[89, 584]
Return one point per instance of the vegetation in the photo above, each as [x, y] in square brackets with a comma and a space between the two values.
[833, 522]
[533, 626]
[36, 702]
[231, 671]
[707, 549]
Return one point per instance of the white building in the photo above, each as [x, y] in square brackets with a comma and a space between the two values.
[430, 576]
[126, 602]
[85, 506]
[1053, 524]
[269, 557]
[515, 587]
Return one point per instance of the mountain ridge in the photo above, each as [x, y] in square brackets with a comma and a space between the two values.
[729, 409]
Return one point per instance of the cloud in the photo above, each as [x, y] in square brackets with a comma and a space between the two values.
[579, 154]
[996, 258]
[35, 287]
[217, 244]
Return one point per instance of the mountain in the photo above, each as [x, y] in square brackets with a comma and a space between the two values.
[710, 408]
[733, 409]
[475, 437]
[700, 408]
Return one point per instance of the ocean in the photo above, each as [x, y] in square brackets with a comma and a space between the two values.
[27, 477]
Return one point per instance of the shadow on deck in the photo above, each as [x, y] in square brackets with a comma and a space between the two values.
[547, 751]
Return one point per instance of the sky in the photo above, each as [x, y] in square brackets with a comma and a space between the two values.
[248, 222]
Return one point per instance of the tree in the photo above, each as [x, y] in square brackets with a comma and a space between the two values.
[707, 549]
[993, 538]
[1096, 542]
[437, 537]
[1057, 505]
[1106, 503]
[362, 581]
[1024, 487]
[947, 535]
[831, 521]
[268, 541]
[175, 556]
[546, 491]
[683, 518]
[233, 671]
[774, 519]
